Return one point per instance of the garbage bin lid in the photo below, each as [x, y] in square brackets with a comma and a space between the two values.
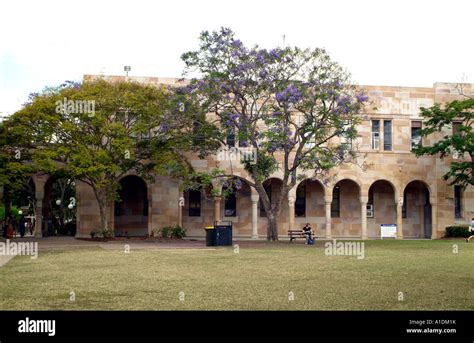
[209, 228]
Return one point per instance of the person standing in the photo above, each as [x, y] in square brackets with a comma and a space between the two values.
[21, 228]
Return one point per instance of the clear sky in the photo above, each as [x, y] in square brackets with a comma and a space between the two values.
[381, 42]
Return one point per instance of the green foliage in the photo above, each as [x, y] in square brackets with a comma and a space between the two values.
[165, 231]
[107, 233]
[14, 212]
[438, 119]
[178, 232]
[96, 132]
[172, 232]
[458, 231]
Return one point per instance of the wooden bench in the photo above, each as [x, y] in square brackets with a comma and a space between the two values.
[294, 234]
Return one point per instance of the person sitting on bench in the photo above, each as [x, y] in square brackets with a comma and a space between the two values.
[472, 231]
[309, 233]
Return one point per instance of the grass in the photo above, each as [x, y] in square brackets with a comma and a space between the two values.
[428, 273]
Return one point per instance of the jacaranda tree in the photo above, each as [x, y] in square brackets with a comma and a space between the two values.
[295, 108]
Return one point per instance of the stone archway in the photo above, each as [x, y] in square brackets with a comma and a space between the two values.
[381, 206]
[417, 210]
[346, 209]
[131, 210]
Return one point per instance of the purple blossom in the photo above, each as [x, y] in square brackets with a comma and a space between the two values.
[237, 43]
[362, 97]
[274, 54]
[238, 184]
[291, 94]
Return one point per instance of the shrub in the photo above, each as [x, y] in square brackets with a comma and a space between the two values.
[458, 231]
[107, 233]
[172, 232]
[165, 231]
[178, 232]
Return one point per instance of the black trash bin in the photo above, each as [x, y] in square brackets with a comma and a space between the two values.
[223, 233]
[210, 236]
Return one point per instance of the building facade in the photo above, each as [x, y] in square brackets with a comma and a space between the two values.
[387, 185]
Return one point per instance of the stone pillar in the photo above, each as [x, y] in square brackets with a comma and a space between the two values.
[328, 201]
[217, 208]
[291, 213]
[254, 198]
[399, 204]
[363, 216]
[180, 209]
[434, 218]
[39, 218]
[150, 210]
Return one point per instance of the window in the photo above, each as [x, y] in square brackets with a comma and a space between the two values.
[230, 139]
[198, 137]
[457, 202]
[194, 203]
[456, 125]
[268, 190]
[336, 202]
[230, 204]
[375, 134]
[415, 134]
[387, 135]
[300, 202]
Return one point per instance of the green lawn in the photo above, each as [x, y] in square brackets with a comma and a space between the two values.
[428, 273]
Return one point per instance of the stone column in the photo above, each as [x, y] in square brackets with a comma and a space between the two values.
[291, 213]
[217, 208]
[39, 218]
[399, 204]
[180, 209]
[254, 198]
[328, 201]
[434, 218]
[363, 218]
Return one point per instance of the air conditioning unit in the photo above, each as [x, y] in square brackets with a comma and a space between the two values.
[370, 210]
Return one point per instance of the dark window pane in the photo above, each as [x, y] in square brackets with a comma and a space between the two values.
[415, 137]
[230, 205]
[458, 202]
[387, 135]
[194, 203]
[300, 202]
[230, 138]
[336, 203]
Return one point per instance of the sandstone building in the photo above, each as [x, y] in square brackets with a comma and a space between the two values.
[390, 185]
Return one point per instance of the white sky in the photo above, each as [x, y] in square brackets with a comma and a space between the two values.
[400, 43]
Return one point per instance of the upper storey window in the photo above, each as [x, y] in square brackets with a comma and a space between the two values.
[387, 135]
[415, 134]
[375, 134]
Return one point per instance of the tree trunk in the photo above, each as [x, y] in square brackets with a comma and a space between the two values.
[272, 212]
[272, 229]
[101, 196]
